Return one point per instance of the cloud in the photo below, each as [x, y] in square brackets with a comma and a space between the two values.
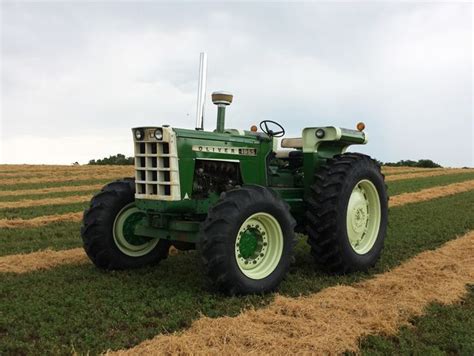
[82, 73]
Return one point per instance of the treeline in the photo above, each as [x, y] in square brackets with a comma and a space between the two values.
[118, 159]
[422, 163]
[122, 160]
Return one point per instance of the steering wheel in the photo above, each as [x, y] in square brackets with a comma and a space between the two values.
[270, 132]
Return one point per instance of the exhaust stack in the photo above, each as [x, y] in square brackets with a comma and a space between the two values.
[201, 91]
[221, 99]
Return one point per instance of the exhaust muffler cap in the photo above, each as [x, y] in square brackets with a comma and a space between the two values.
[222, 98]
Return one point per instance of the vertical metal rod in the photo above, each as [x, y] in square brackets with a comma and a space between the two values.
[201, 91]
[220, 118]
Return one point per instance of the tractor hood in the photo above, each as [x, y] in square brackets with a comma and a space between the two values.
[165, 158]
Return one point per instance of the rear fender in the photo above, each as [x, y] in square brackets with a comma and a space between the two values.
[316, 150]
[335, 140]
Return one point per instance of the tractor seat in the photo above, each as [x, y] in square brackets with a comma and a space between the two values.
[292, 142]
[295, 158]
[288, 154]
[282, 154]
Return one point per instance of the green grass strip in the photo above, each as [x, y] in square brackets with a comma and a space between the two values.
[35, 211]
[38, 196]
[86, 309]
[443, 330]
[56, 236]
[417, 184]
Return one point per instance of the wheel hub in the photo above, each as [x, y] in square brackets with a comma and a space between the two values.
[363, 216]
[359, 218]
[129, 226]
[251, 243]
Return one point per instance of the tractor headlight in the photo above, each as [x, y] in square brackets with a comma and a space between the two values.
[158, 134]
[320, 133]
[138, 134]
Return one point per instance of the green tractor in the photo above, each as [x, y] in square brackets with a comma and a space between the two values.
[240, 201]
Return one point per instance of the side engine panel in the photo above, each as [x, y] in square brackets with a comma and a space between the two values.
[215, 176]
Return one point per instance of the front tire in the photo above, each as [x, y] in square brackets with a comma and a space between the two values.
[247, 241]
[347, 210]
[107, 230]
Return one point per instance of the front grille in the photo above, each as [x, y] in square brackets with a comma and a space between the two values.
[156, 166]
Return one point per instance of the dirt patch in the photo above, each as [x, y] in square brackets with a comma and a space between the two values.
[47, 201]
[334, 320]
[41, 260]
[173, 251]
[431, 193]
[394, 177]
[40, 221]
[77, 188]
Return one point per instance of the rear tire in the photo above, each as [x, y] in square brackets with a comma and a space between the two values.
[247, 241]
[108, 223]
[346, 216]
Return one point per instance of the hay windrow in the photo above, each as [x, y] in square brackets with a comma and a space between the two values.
[40, 220]
[73, 188]
[431, 193]
[47, 201]
[395, 177]
[410, 170]
[406, 169]
[401, 168]
[70, 178]
[28, 169]
[65, 172]
[28, 262]
[334, 320]
[23, 263]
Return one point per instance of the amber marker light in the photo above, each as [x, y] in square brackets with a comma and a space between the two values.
[253, 128]
[360, 126]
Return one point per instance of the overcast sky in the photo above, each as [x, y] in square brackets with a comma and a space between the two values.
[76, 77]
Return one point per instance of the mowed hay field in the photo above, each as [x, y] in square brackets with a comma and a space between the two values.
[419, 298]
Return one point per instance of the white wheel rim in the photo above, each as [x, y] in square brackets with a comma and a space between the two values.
[267, 253]
[363, 217]
[122, 240]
